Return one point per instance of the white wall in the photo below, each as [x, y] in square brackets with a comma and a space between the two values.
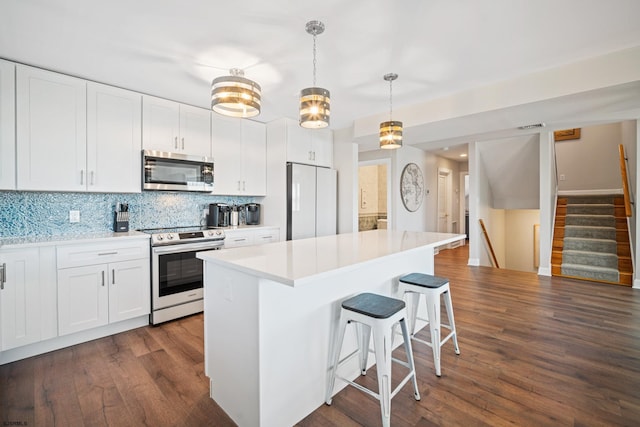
[402, 218]
[519, 251]
[591, 162]
[345, 160]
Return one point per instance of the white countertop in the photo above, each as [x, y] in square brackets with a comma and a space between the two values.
[294, 262]
[26, 241]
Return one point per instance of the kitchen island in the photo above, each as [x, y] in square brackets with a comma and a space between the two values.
[271, 313]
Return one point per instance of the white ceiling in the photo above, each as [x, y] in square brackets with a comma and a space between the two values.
[173, 48]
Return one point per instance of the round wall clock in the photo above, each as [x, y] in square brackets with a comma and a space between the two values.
[411, 187]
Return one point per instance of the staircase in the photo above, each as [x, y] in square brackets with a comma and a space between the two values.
[591, 240]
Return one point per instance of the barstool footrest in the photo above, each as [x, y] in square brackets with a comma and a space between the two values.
[373, 393]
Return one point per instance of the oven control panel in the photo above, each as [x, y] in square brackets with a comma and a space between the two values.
[172, 238]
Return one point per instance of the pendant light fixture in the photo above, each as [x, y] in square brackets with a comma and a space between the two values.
[235, 95]
[391, 131]
[315, 103]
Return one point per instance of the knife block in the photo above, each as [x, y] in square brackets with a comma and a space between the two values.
[121, 222]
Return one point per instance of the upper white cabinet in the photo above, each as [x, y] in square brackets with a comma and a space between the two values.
[51, 131]
[308, 146]
[239, 152]
[177, 128]
[7, 126]
[27, 296]
[114, 139]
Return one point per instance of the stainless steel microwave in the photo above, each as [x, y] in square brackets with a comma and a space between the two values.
[176, 172]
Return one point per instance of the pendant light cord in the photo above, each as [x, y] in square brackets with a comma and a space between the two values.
[390, 100]
[314, 60]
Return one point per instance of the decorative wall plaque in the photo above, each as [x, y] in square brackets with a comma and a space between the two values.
[411, 187]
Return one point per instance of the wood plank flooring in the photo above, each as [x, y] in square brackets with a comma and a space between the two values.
[535, 351]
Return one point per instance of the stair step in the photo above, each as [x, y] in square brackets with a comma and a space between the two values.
[590, 258]
[590, 232]
[591, 272]
[593, 245]
[584, 200]
[591, 209]
[591, 220]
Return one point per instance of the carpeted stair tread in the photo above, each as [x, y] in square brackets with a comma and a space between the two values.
[590, 232]
[591, 272]
[591, 244]
[590, 209]
[591, 220]
[584, 200]
[589, 258]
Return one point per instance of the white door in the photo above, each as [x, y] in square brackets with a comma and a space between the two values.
[160, 124]
[129, 292]
[444, 197]
[322, 147]
[301, 202]
[7, 126]
[51, 124]
[326, 201]
[227, 156]
[195, 131]
[254, 157]
[114, 139]
[20, 298]
[83, 298]
[298, 143]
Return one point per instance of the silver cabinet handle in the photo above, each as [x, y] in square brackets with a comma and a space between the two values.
[108, 253]
[267, 237]
[183, 143]
[175, 142]
[244, 186]
[82, 177]
[314, 155]
[240, 240]
[102, 277]
[92, 177]
[113, 276]
[310, 156]
[238, 185]
[3, 275]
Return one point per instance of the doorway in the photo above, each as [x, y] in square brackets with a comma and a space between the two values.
[374, 204]
[445, 223]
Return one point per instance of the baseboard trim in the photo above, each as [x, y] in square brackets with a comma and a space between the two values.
[636, 284]
[475, 262]
[544, 271]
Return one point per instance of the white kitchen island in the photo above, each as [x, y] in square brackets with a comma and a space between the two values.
[271, 313]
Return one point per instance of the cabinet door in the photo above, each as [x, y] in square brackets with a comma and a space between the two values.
[227, 154]
[254, 158]
[7, 126]
[322, 147]
[114, 139]
[129, 289]
[195, 131]
[83, 298]
[160, 124]
[237, 238]
[20, 298]
[51, 131]
[299, 148]
[267, 235]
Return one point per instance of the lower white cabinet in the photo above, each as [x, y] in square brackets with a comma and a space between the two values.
[27, 296]
[248, 236]
[98, 285]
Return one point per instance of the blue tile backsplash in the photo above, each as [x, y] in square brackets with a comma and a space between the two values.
[47, 214]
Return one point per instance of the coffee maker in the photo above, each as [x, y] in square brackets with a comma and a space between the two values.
[252, 213]
[219, 215]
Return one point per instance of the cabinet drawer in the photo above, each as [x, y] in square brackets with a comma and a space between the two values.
[234, 239]
[101, 253]
[267, 236]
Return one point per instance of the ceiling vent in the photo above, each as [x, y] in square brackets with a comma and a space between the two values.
[537, 125]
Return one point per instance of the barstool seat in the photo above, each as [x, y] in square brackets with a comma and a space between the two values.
[431, 287]
[375, 314]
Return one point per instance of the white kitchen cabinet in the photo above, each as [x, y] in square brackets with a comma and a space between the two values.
[251, 236]
[27, 296]
[239, 152]
[7, 126]
[51, 131]
[102, 283]
[114, 139]
[174, 127]
[308, 146]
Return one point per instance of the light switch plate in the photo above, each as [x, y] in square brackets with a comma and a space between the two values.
[74, 216]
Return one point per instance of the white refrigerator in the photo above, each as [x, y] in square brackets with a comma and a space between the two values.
[311, 201]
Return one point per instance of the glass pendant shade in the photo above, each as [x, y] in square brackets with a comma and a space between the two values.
[315, 108]
[390, 135]
[235, 95]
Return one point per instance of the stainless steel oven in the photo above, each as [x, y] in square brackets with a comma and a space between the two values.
[176, 273]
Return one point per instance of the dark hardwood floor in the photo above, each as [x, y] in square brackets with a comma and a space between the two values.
[535, 351]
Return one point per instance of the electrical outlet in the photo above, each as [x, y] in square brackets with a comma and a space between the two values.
[74, 216]
[562, 177]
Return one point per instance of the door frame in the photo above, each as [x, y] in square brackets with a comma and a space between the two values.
[390, 206]
[448, 201]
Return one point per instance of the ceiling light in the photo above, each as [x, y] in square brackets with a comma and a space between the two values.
[315, 102]
[533, 126]
[235, 95]
[391, 131]
[463, 155]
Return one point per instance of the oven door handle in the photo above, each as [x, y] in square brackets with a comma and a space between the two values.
[172, 249]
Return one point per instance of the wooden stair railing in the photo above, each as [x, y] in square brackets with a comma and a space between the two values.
[486, 236]
[625, 182]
